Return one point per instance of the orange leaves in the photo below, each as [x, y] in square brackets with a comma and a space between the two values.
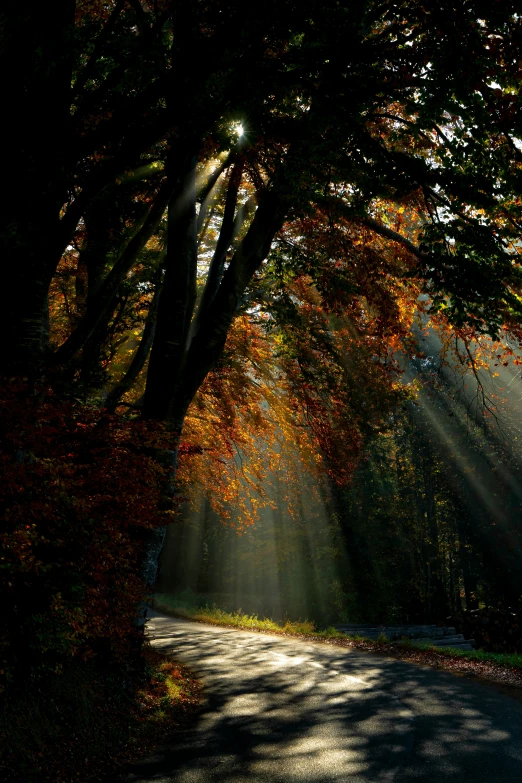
[292, 393]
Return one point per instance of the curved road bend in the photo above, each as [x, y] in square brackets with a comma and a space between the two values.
[279, 710]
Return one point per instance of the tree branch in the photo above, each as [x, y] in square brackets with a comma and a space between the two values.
[217, 264]
[140, 356]
[207, 345]
[102, 299]
[393, 235]
[84, 75]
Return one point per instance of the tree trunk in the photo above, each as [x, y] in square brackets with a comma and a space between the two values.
[153, 539]
[139, 358]
[36, 52]
[177, 299]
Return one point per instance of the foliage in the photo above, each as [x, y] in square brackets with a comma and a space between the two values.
[360, 180]
[89, 723]
[493, 629]
[282, 399]
[78, 495]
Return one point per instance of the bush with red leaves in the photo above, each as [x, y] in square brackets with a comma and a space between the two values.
[76, 499]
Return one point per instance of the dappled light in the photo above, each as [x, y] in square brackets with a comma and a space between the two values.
[345, 715]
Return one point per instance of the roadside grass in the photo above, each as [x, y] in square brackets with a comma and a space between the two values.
[171, 604]
[512, 660]
[83, 725]
[182, 606]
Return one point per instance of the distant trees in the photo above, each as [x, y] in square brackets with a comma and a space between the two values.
[423, 530]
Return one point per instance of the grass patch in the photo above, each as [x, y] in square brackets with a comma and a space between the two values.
[172, 604]
[512, 660]
[84, 724]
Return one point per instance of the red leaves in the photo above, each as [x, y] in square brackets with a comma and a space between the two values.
[76, 492]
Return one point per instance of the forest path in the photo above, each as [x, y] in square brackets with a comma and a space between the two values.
[280, 709]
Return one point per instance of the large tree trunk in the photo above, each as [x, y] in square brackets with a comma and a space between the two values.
[24, 323]
[177, 299]
[36, 60]
[153, 539]
[182, 357]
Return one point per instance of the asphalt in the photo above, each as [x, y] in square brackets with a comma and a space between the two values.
[281, 710]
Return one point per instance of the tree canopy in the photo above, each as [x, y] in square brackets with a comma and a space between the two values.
[351, 119]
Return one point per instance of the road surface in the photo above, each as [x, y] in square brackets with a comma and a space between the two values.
[279, 710]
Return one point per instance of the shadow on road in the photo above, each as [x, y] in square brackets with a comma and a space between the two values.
[286, 710]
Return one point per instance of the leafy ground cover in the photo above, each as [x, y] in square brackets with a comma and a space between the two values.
[496, 668]
[83, 726]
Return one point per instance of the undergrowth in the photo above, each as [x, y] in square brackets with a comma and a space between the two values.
[213, 614]
[513, 660]
[84, 724]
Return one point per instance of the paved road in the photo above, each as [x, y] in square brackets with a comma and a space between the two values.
[280, 710]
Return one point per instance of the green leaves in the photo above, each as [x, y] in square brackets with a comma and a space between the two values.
[471, 275]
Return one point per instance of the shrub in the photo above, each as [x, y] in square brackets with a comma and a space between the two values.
[77, 499]
[495, 630]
